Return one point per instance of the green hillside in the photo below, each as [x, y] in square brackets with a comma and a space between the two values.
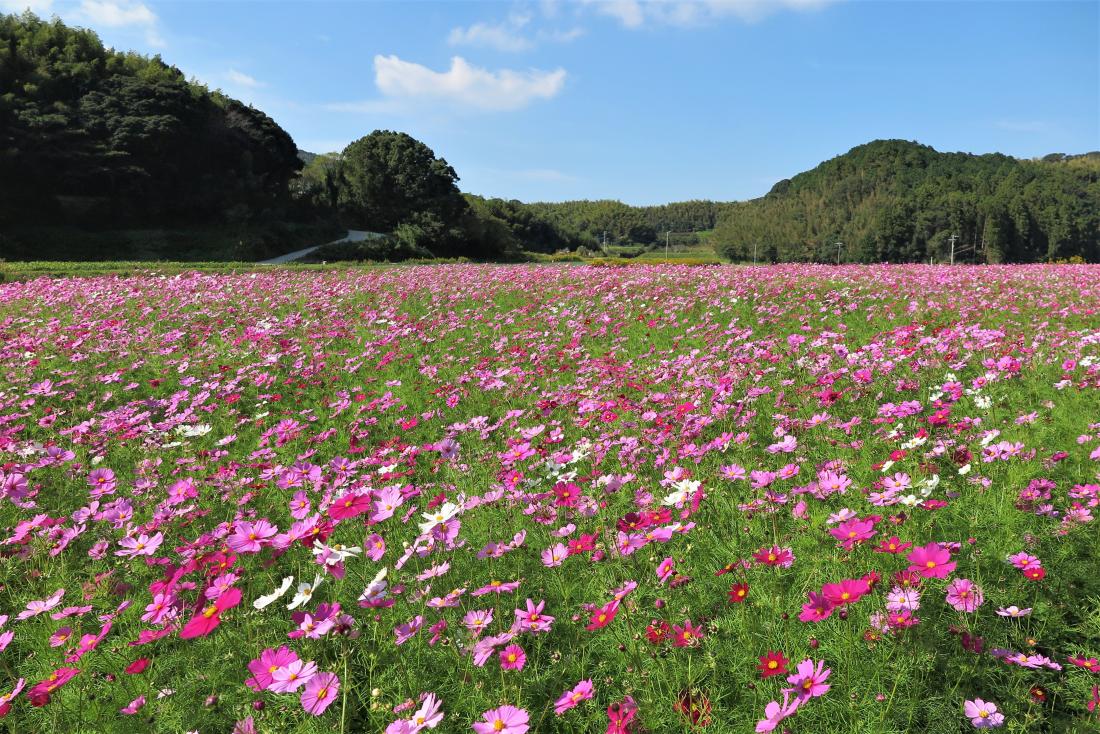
[898, 201]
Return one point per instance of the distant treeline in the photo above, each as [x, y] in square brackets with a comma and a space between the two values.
[897, 201]
[623, 224]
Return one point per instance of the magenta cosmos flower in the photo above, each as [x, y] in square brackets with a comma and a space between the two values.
[931, 561]
[568, 700]
[817, 609]
[320, 692]
[513, 658]
[848, 591]
[504, 720]
[532, 619]
[983, 714]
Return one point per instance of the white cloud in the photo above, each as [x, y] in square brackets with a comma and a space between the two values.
[503, 37]
[124, 14]
[464, 84]
[18, 6]
[510, 35]
[242, 80]
[117, 15]
[627, 12]
[636, 13]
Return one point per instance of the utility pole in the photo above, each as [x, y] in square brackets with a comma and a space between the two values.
[952, 240]
[754, 244]
[838, 246]
[667, 233]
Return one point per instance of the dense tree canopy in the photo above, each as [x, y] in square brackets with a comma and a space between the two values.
[90, 134]
[896, 201]
[388, 177]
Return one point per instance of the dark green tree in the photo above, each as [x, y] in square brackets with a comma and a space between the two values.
[388, 177]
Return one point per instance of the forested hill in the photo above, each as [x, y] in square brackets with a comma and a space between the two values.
[91, 135]
[898, 201]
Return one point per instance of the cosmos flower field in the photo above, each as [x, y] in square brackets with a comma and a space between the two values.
[552, 499]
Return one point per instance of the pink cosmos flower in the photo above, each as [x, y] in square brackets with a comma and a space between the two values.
[513, 658]
[264, 667]
[571, 698]
[34, 608]
[809, 682]
[319, 693]
[292, 676]
[931, 561]
[102, 481]
[853, 531]
[817, 609]
[59, 638]
[349, 505]
[143, 545]
[133, 706]
[503, 720]
[532, 619]
[964, 595]
[983, 714]
[208, 619]
[250, 537]
[374, 547]
[848, 591]
[775, 712]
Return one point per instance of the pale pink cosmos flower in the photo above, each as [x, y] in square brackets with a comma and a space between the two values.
[320, 692]
[775, 712]
[503, 720]
[964, 595]
[983, 714]
[809, 682]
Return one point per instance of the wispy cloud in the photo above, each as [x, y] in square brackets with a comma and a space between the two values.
[638, 13]
[1023, 126]
[463, 84]
[125, 14]
[241, 79]
[507, 35]
[513, 34]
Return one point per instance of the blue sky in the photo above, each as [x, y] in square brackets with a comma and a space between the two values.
[646, 102]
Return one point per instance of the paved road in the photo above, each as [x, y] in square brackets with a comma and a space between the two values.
[353, 235]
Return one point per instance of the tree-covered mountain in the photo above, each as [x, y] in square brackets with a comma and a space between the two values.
[899, 201]
[90, 135]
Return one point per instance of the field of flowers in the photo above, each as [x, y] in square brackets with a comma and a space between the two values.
[552, 499]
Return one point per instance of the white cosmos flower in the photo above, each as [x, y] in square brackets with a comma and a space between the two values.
[336, 553]
[376, 588]
[267, 599]
[441, 514]
[304, 593]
